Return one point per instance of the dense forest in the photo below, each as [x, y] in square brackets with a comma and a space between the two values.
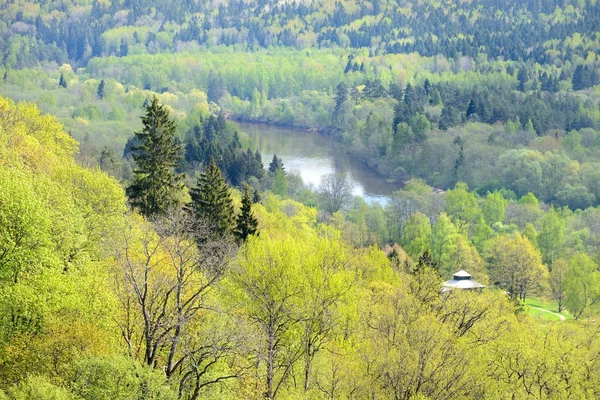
[148, 251]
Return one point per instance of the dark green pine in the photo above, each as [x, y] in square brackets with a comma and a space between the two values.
[246, 224]
[156, 187]
[211, 200]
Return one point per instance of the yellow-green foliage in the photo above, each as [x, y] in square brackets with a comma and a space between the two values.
[54, 219]
[298, 312]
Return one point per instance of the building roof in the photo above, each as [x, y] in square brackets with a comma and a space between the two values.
[462, 274]
[462, 280]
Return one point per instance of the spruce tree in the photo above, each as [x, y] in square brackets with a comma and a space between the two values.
[522, 78]
[211, 201]
[156, 187]
[62, 82]
[276, 163]
[101, 90]
[246, 224]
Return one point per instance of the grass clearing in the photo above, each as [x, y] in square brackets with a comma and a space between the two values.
[549, 305]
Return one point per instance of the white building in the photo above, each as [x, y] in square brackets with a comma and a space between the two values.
[462, 281]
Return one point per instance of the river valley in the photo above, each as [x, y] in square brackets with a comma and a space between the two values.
[313, 155]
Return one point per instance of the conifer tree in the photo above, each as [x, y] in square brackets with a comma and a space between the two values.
[101, 90]
[62, 82]
[522, 78]
[276, 163]
[156, 186]
[211, 200]
[246, 224]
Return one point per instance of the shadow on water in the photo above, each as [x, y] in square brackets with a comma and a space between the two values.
[314, 155]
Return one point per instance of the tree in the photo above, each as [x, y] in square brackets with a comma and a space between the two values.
[582, 78]
[530, 233]
[62, 82]
[280, 182]
[420, 125]
[582, 284]
[123, 48]
[335, 192]
[515, 265]
[269, 279]
[417, 235]
[461, 204]
[101, 90]
[109, 162]
[246, 224]
[162, 285]
[557, 282]
[436, 98]
[522, 78]
[341, 96]
[216, 87]
[443, 244]
[156, 187]
[276, 163]
[494, 208]
[551, 236]
[211, 200]
[471, 109]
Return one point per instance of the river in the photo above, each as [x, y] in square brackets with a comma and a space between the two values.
[314, 155]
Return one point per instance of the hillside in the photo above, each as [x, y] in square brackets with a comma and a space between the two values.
[542, 31]
[99, 303]
[149, 251]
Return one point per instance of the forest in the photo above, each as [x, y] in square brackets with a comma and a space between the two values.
[149, 251]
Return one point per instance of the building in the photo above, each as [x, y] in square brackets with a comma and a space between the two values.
[462, 281]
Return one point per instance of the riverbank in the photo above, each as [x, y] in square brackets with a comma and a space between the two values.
[331, 134]
[314, 154]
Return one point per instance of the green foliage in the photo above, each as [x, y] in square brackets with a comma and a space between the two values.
[582, 285]
[246, 224]
[39, 388]
[280, 182]
[516, 265]
[91, 112]
[156, 186]
[211, 200]
[118, 378]
[417, 235]
[494, 208]
[551, 237]
[100, 92]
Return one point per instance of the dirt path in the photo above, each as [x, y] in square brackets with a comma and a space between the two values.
[562, 318]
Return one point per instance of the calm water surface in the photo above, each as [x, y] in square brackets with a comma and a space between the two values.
[314, 155]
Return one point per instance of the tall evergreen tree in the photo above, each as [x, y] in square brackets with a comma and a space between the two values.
[62, 82]
[156, 186]
[522, 78]
[276, 163]
[341, 96]
[101, 90]
[246, 224]
[211, 200]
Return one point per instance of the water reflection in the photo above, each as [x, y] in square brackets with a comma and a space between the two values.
[313, 155]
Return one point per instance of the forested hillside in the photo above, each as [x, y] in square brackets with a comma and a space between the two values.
[100, 303]
[75, 31]
[148, 251]
[442, 91]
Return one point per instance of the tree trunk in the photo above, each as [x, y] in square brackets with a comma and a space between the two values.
[270, 362]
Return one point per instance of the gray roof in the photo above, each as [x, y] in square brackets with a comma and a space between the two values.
[462, 280]
[462, 274]
[463, 284]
